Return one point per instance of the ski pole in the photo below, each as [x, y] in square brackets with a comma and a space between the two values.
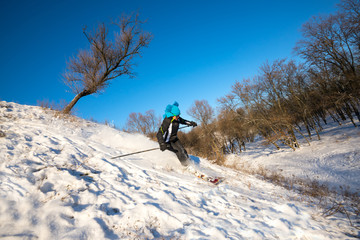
[148, 150]
[184, 127]
[152, 149]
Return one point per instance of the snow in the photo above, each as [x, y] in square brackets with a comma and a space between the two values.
[58, 181]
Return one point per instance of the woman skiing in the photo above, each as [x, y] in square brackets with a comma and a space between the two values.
[167, 134]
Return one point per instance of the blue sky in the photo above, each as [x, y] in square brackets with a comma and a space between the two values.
[199, 49]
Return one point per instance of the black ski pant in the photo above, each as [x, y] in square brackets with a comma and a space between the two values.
[180, 152]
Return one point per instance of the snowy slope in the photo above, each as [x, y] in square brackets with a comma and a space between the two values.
[58, 181]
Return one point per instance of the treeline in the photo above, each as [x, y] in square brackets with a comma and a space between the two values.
[288, 99]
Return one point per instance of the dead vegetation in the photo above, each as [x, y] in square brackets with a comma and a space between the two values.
[328, 201]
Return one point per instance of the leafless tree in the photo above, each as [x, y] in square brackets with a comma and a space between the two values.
[351, 12]
[331, 46]
[209, 142]
[109, 57]
[202, 111]
[146, 124]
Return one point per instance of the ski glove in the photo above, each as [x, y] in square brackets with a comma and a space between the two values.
[193, 124]
[162, 146]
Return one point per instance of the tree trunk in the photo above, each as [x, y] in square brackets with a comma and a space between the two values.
[68, 108]
[355, 109]
[349, 113]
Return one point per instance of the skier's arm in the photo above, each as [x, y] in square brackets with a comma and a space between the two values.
[187, 122]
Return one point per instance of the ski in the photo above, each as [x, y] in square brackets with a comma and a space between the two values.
[213, 180]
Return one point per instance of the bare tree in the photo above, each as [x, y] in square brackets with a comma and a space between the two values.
[146, 124]
[331, 46]
[351, 12]
[209, 142]
[333, 40]
[202, 111]
[108, 57]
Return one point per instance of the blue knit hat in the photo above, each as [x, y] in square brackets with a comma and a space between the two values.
[175, 110]
[172, 110]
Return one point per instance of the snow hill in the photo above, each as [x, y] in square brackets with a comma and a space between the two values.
[58, 181]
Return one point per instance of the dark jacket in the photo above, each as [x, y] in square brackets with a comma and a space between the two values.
[169, 128]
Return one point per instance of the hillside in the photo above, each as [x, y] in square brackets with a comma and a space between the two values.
[58, 181]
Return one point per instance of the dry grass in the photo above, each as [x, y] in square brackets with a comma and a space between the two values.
[329, 202]
[56, 110]
[46, 104]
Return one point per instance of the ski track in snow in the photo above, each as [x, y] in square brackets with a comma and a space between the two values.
[58, 181]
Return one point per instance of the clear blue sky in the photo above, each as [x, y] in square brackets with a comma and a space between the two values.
[199, 49]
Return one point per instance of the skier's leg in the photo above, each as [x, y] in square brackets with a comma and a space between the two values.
[181, 153]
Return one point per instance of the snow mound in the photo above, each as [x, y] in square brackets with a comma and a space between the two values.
[58, 181]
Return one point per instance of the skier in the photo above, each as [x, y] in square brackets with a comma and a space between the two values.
[167, 134]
